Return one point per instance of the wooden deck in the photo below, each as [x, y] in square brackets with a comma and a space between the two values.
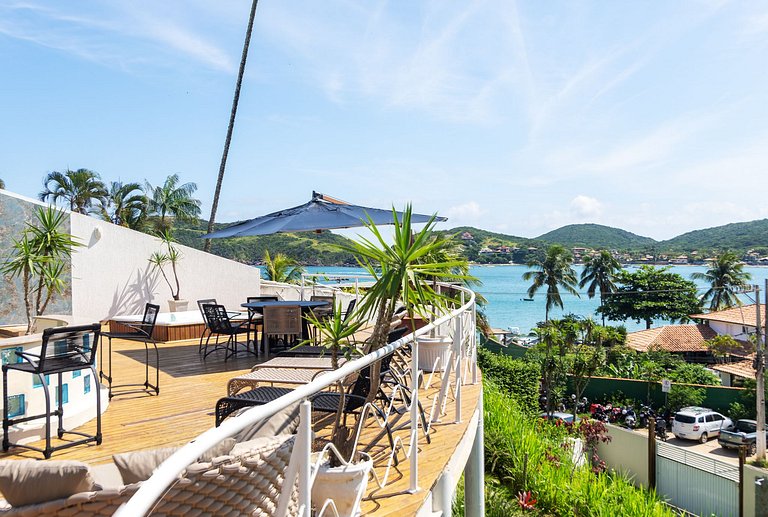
[189, 388]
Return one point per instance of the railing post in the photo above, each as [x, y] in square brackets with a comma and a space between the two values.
[459, 350]
[301, 295]
[304, 442]
[414, 449]
[474, 472]
[473, 343]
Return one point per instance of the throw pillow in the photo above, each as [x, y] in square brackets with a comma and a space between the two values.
[24, 482]
[282, 422]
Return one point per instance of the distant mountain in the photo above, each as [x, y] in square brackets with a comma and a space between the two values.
[596, 236]
[314, 249]
[734, 236]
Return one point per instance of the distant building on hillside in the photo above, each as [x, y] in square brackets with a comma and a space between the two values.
[466, 236]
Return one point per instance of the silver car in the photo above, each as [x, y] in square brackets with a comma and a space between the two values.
[698, 423]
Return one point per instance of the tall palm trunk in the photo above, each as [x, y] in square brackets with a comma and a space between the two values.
[231, 126]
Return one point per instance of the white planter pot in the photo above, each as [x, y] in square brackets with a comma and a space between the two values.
[434, 353]
[345, 485]
[178, 305]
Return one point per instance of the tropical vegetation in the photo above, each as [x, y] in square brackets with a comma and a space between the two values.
[725, 276]
[172, 199]
[39, 258]
[81, 190]
[554, 272]
[2, 184]
[282, 268]
[651, 293]
[169, 254]
[599, 275]
[125, 205]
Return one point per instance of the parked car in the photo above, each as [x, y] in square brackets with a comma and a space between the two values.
[743, 433]
[698, 423]
[559, 415]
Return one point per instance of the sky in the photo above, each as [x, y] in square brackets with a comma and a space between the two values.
[512, 116]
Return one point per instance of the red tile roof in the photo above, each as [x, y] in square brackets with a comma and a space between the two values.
[745, 315]
[739, 368]
[672, 338]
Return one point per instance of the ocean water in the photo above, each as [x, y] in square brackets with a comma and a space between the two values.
[504, 289]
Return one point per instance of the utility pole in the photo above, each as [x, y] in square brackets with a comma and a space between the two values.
[760, 377]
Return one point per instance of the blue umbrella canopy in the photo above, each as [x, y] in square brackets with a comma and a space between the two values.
[321, 213]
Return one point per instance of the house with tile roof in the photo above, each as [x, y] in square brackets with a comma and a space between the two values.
[685, 340]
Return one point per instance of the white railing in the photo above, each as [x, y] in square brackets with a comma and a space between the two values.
[459, 323]
[321, 280]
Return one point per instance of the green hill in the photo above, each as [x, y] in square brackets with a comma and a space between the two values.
[596, 236]
[314, 249]
[734, 236]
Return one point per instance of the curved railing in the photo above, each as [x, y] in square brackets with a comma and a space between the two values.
[463, 362]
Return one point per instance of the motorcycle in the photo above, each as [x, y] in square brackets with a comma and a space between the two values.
[646, 412]
[630, 418]
[661, 429]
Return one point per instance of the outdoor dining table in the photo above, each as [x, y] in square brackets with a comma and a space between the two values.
[306, 306]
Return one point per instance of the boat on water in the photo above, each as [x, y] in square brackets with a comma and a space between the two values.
[527, 299]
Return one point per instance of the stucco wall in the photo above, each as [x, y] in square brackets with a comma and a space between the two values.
[626, 452]
[111, 274]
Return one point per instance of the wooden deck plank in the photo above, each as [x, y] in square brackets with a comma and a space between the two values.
[189, 389]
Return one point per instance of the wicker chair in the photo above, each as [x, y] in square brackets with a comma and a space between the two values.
[284, 324]
[248, 484]
[255, 318]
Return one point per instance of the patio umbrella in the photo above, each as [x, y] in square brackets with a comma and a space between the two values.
[321, 213]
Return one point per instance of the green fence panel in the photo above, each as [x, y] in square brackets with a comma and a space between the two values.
[511, 350]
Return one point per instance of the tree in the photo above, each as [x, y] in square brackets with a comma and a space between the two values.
[722, 346]
[599, 273]
[282, 268]
[554, 271]
[172, 199]
[125, 205]
[588, 356]
[2, 184]
[651, 293]
[171, 256]
[231, 126]
[38, 258]
[725, 275]
[79, 189]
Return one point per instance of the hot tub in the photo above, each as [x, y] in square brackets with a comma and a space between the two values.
[170, 326]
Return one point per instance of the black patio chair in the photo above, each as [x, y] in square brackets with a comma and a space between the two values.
[324, 401]
[207, 330]
[64, 349]
[220, 325]
[143, 333]
[350, 309]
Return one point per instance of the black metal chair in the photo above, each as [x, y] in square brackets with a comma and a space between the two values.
[206, 334]
[143, 333]
[255, 319]
[324, 401]
[219, 324]
[64, 349]
[350, 309]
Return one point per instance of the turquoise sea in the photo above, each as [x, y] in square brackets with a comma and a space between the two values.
[504, 288]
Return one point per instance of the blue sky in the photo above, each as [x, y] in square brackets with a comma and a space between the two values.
[516, 117]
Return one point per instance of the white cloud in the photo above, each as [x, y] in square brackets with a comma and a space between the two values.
[465, 213]
[585, 207]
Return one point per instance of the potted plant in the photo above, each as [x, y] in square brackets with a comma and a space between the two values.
[339, 477]
[39, 258]
[159, 260]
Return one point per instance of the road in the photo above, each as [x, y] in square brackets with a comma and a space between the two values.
[710, 449]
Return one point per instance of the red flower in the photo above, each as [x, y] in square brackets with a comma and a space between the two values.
[526, 500]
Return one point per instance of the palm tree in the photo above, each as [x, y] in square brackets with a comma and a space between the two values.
[79, 189]
[554, 271]
[231, 126]
[282, 268]
[172, 199]
[725, 275]
[600, 272]
[125, 205]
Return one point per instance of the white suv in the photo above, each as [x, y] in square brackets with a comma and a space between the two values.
[698, 423]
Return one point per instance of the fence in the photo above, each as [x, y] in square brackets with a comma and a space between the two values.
[697, 483]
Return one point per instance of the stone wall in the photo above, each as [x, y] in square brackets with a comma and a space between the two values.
[15, 213]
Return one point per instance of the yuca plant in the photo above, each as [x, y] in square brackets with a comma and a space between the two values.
[337, 335]
[39, 259]
[172, 256]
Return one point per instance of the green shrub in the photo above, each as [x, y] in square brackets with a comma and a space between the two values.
[684, 396]
[528, 454]
[518, 378]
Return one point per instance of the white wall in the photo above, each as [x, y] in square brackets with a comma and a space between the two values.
[626, 452]
[111, 274]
